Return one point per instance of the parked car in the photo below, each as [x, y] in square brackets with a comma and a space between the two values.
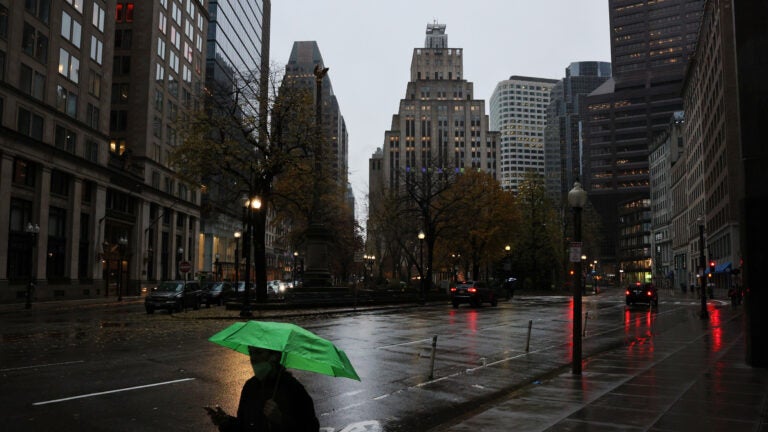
[475, 293]
[174, 296]
[214, 293]
[643, 293]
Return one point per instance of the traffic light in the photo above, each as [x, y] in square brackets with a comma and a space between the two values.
[711, 266]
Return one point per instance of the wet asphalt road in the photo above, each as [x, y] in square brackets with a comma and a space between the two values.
[112, 367]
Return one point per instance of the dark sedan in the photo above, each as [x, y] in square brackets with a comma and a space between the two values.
[642, 293]
[475, 293]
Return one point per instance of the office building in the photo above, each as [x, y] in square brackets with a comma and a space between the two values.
[519, 112]
[650, 46]
[563, 146]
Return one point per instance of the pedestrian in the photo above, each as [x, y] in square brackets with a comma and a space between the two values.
[273, 400]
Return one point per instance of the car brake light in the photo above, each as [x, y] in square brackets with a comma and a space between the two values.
[472, 290]
[648, 293]
[453, 289]
[626, 292]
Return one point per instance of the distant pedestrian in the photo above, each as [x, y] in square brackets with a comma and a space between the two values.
[30, 294]
[273, 400]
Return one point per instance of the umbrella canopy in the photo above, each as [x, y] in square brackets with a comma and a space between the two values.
[301, 348]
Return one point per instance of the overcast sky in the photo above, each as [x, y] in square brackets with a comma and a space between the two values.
[368, 44]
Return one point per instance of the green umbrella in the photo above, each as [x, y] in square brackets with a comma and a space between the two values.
[301, 348]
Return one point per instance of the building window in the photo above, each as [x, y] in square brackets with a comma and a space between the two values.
[118, 121]
[77, 4]
[121, 65]
[94, 83]
[91, 151]
[120, 92]
[32, 82]
[158, 100]
[117, 146]
[173, 62]
[124, 12]
[34, 43]
[161, 48]
[92, 116]
[59, 184]
[65, 139]
[157, 127]
[123, 38]
[39, 8]
[69, 65]
[30, 124]
[24, 172]
[3, 22]
[97, 49]
[98, 16]
[66, 101]
[71, 29]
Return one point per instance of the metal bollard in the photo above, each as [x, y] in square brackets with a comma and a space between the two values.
[528, 339]
[432, 358]
[586, 317]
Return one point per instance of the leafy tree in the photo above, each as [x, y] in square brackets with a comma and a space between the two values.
[482, 225]
[537, 252]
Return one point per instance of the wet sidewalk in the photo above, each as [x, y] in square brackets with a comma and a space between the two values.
[693, 378]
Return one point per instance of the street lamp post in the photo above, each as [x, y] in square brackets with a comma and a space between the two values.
[249, 205]
[179, 259]
[583, 277]
[423, 294]
[122, 242]
[32, 231]
[217, 266]
[293, 269]
[237, 259]
[703, 265]
[577, 199]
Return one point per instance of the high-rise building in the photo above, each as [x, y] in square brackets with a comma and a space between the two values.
[60, 183]
[237, 53]
[157, 76]
[651, 42]
[305, 55]
[714, 173]
[563, 151]
[439, 123]
[519, 112]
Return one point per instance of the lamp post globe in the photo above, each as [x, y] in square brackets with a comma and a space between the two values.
[577, 199]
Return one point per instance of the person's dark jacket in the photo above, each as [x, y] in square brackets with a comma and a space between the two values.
[296, 406]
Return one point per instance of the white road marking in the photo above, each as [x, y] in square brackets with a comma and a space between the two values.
[110, 391]
[41, 366]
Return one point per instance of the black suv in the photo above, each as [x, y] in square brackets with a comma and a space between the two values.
[475, 293]
[643, 293]
[174, 296]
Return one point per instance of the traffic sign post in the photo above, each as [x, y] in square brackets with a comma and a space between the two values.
[185, 267]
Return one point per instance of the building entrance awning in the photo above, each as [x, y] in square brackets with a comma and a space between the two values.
[722, 268]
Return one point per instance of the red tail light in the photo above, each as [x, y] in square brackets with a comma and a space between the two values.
[626, 292]
[453, 289]
[649, 293]
[472, 290]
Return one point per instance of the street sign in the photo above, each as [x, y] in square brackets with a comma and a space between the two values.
[575, 255]
[185, 267]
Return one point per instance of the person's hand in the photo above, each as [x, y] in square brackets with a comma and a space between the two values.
[217, 415]
[272, 411]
